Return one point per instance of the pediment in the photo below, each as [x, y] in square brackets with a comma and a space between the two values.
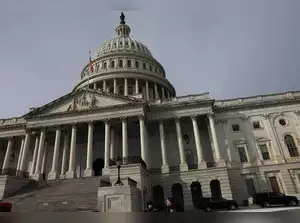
[82, 100]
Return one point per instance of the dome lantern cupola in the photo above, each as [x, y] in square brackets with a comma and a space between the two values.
[122, 29]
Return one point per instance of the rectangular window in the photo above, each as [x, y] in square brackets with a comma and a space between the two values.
[264, 151]
[256, 125]
[235, 128]
[243, 154]
[250, 186]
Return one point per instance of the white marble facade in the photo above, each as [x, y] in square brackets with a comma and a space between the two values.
[124, 106]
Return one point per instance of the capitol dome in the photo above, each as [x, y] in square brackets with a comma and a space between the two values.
[125, 66]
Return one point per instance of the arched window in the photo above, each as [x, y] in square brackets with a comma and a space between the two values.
[129, 63]
[144, 66]
[104, 65]
[137, 64]
[290, 144]
[112, 64]
[120, 63]
[150, 68]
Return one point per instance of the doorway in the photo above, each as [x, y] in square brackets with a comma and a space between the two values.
[274, 184]
[177, 194]
[158, 197]
[215, 189]
[196, 192]
[98, 165]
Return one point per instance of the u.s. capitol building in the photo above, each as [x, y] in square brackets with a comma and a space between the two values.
[180, 146]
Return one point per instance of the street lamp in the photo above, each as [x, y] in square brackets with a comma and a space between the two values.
[119, 162]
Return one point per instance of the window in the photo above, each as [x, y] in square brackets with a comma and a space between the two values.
[256, 125]
[242, 154]
[150, 68]
[282, 122]
[264, 151]
[235, 128]
[290, 144]
[250, 186]
[129, 63]
[137, 64]
[144, 66]
[130, 90]
[120, 63]
[113, 64]
[105, 65]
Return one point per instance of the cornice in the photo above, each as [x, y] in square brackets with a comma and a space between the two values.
[256, 104]
[88, 111]
[12, 127]
[176, 105]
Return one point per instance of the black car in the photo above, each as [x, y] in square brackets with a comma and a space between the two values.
[210, 204]
[268, 199]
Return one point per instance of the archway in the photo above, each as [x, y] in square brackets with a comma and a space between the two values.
[98, 165]
[158, 197]
[215, 189]
[196, 192]
[177, 194]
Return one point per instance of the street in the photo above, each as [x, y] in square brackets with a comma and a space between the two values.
[274, 209]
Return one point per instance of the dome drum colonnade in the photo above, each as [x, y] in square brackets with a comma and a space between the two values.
[125, 66]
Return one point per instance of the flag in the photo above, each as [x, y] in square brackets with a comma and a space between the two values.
[91, 64]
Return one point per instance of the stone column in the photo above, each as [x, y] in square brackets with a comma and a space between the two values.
[71, 172]
[53, 175]
[165, 165]
[45, 156]
[147, 91]
[183, 164]
[95, 86]
[156, 95]
[35, 153]
[37, 174]
[20, 154]
[124, 138]
[219, 160]
[168, 94]
[137, 86]
[104, 86]
[201, 162]
[115, 86]
[125, 87]
[163, 95]
[88, 172]
[25, 151]
[112, 144]
[105, 170]
[7, 155]
[143, 139]
[64, 156]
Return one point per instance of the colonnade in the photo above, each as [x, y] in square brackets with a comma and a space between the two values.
[69, 148]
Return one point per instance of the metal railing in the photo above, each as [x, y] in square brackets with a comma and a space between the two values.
[130, 160]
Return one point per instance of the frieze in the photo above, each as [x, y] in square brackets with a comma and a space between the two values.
[85, 101]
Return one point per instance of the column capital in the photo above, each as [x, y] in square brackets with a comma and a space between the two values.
[91, 122]
[107, 121]
[161, 121]
[266, 115]
[194, 117]
[58, 127]
[177, 118]
[211, 115]
[28, 130]
[141, 117]
[124, 118]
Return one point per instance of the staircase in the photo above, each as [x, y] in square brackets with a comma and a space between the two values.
[59, 195]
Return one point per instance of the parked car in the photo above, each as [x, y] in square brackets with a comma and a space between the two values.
[209, 204]
[5, 207]
[268, 199]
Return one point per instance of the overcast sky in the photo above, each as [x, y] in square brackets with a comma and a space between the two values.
[230, 48]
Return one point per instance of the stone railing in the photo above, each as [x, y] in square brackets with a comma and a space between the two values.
[14, 172]
[130, 160]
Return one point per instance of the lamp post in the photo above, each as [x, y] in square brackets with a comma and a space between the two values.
[119, 162]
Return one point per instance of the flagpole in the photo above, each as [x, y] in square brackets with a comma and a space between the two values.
[90, 68]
